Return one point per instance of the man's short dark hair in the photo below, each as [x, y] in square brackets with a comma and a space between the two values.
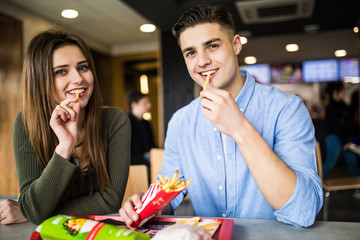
[204, 13]
[135, 97]
[336, 86]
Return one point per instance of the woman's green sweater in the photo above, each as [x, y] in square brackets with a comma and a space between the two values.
[58, 188]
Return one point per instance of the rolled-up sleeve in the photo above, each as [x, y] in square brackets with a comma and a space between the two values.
[295, 144]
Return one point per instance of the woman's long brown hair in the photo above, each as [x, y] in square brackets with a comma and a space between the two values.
[39, 103]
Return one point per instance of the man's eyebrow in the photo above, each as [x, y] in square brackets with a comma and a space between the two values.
[204, 44]
[187, 49]
[211, 41]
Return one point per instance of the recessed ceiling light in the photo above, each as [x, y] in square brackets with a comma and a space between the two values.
[292, 47]
[243, 40]
[147, 28]
[250, 60]
[356, 29]
[70, 13]
[245, 33]
[340, 53]
[311, 28]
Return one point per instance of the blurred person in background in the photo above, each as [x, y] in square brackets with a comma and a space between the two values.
[142, 138]
[339, 130]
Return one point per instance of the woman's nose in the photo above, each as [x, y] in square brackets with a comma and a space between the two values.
[76, 76]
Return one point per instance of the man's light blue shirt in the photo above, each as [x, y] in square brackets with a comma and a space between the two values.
[223, 186]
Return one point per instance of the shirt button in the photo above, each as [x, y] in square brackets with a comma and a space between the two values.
[220, 187]
[215, 129]
[218, 157]
[241, 109]
[224, 215]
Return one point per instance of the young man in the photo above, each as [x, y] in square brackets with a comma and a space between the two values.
[249, 148]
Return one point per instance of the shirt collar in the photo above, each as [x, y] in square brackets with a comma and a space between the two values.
[244, 96]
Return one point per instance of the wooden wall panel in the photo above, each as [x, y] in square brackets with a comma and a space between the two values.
[178, 86]
[10, 99]
[104, 74]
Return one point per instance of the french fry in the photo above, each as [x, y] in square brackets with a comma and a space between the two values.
[172, 184]
[160, 194]
[207, 81]
[208, 226]
[77, 96]
[194, 219]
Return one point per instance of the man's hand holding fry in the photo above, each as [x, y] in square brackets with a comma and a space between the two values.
[141, 206]
[221, 109]
[127, 212]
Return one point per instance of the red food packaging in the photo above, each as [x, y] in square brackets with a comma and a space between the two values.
[154, 200]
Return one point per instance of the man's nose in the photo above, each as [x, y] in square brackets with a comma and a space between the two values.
[203, 59]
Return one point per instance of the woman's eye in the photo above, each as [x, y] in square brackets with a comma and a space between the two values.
[84, 68]
[60, 72]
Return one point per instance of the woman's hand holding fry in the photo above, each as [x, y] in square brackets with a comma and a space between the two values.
[64, 123]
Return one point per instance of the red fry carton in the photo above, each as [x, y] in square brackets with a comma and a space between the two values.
[154, 200]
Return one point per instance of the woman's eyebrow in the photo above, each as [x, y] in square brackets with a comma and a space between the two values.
[61, 66]
[66, 65]
[85, 61]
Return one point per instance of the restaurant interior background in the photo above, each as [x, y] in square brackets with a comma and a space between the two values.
[123, 54]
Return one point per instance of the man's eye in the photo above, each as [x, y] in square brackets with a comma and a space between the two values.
[213, 46]
[60, 72]
[190, 53]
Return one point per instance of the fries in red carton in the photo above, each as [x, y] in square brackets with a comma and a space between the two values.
[160, 194]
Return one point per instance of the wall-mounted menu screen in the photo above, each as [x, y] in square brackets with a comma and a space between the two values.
[286, 73]
[261, 72]
[321, 70]
[349, 67]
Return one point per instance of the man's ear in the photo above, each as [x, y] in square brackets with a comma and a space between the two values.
[133, 105]
[237, 44]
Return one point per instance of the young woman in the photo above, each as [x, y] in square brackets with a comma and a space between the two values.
[72, 155]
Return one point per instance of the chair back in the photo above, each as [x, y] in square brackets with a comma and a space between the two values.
[156, 160]
[337, 183]
[319, 160]
[137, 181]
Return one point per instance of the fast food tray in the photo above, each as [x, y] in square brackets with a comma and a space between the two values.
[155, 224]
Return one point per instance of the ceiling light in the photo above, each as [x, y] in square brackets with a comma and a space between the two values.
[340, 53]
[69, 13]
[147, 116]
[147, 28]
[356, 29]
[243, 40]
[250, 60]
[144, 84]
[311, 28]
[292, 47]
[245, 33]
